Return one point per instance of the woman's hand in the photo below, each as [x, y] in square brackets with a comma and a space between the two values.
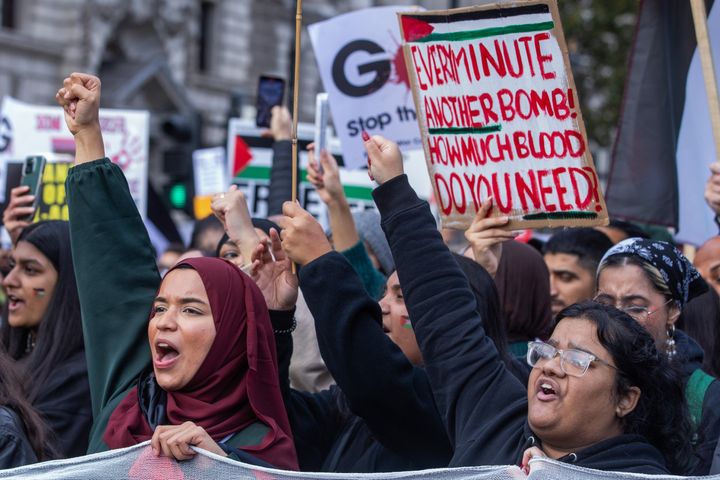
[529, 454]
[175, 441]
[325, 178]
[303, 239]
[384, 158]
[17, 211]
[80, 99]
[232, 211]
[272, 273]
[486, 237]
[280, 124]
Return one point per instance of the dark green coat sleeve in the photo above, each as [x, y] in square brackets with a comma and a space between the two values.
[117, 280]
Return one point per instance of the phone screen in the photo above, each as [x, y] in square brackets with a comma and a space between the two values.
[271, 91]
[32, 177]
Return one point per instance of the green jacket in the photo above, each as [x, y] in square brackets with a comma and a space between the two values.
[117, 280]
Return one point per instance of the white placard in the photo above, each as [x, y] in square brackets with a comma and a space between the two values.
[209, 171]
[361, 64]
[41, 130]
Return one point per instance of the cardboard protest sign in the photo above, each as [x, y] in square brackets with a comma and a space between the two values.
[499, 116]
[250, 162]
[363, 71]
[52, 202]
[41, 130]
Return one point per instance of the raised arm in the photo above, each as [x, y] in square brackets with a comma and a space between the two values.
[281, 170]
[381, 385]
[479, 399]
[325, 177]
[112, 254]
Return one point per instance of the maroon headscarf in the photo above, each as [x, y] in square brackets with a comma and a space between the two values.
[237, 383]
[523, 284]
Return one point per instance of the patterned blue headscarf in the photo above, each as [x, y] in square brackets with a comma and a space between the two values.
[683, 280]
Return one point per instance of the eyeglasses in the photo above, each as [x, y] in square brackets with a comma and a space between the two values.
[573, 362]
[637, 312]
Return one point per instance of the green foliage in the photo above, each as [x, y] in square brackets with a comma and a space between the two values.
[599, 36]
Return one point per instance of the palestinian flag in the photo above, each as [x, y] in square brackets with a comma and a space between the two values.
[664, 143]
[480, 24]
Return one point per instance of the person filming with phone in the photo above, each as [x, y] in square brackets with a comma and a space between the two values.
[42, 331]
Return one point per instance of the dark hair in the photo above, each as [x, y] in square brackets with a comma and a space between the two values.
[488, 304]
[59, 333]
[12, 395]
[699, 319]
[201, 226]
[661, 414]
[262, 223]
[178, 248]
[587, 243]
[629, 229]
[523, 284]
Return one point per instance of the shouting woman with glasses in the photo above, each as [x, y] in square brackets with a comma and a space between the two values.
[599, 396]
[652, 282]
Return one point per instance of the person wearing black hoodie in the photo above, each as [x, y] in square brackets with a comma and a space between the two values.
[596, 418]
[382, 415]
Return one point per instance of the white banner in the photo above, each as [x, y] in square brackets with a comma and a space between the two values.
[361, 64]
[140, 463]
[40, 130]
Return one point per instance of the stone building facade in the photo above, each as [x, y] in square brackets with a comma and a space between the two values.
[167, 56]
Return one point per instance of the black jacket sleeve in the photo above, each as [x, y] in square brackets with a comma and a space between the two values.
[381, 385]
[481, 402]
[280, 176]
[315, 418]
[15, 448]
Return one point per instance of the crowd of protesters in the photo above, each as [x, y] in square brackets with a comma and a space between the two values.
[386, 351]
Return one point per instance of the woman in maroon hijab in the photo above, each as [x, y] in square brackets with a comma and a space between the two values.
[214, 362]
[209, 378]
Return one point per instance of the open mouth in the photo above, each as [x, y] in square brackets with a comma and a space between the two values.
[165, 354]
[547, 390]
[14, 302]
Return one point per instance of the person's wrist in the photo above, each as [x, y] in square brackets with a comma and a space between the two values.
[315, 255]
[89, 144]
[88, 133]
[380, 179]
[281, 137]
[337, 201]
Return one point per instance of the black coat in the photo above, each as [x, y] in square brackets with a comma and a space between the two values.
[384, 419]
[483, 405]
[15, 448]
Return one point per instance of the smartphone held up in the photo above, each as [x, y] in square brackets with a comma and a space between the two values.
[32, 174]
[271, 91]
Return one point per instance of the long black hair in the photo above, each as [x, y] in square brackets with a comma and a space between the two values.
[488, 304]
[59, 334]
[12, 395]
[699, 319]
[661, 414]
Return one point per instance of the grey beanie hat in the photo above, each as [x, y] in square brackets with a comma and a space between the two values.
[368, 227]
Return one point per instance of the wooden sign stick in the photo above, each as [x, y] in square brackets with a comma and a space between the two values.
[296, 90]
[296, 84]
[706, 60]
